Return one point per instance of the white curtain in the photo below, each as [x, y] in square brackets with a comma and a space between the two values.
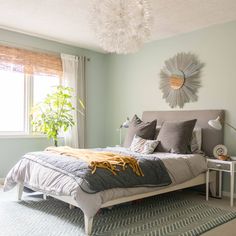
[74, 77]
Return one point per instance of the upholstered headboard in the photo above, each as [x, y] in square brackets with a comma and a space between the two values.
[210, 136]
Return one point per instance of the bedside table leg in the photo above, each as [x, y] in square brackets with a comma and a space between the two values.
[207, 185]
[220, 184]
[232, 187]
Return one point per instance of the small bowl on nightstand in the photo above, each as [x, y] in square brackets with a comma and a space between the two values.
[233, 158]
[224, 157]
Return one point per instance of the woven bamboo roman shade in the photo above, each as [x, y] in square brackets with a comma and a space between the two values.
[29, 62]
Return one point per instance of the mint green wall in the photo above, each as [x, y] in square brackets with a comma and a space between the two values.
[12, 149]
[133, 80]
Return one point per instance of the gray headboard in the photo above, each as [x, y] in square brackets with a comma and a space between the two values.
[210, 136]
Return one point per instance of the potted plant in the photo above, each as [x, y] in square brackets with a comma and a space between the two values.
[54, 113]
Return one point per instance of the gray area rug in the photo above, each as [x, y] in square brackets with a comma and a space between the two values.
[156, 216]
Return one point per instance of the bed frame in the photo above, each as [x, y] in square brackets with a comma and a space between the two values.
[210, 138]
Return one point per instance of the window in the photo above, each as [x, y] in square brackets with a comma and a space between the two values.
[42, 86]
[25, 79]
[12, 104]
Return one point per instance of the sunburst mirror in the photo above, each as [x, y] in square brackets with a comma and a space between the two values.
[180, 79]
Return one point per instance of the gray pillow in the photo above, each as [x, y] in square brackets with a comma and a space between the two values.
[142, 129]
[176, 137]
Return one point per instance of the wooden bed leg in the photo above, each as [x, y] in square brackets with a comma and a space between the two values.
[88, 223]
[20, 188]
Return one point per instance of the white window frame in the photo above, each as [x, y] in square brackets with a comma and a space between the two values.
[29, 94]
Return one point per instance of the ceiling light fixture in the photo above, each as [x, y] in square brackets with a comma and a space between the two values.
[121, 26]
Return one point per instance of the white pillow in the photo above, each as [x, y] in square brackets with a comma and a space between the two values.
[144, 146]
[196, 143]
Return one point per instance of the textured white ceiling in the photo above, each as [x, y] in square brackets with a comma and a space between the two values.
[67, 20]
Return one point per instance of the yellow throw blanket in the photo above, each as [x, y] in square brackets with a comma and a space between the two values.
[106, 160]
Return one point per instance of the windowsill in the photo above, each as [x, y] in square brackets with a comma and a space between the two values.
[13, 136]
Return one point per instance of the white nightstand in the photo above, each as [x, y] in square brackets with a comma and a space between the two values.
[221, 166]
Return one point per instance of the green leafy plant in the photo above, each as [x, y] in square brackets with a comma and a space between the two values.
[54, 113]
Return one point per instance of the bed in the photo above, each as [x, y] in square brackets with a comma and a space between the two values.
[185, 170]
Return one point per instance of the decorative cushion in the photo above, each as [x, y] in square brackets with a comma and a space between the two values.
[175, 137]
[144, 130]
[196, 140]
[144, 146]
[196, 143]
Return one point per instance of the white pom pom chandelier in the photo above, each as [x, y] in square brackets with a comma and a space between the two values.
[121, 26]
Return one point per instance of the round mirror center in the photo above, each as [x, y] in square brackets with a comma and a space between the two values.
[176, 81]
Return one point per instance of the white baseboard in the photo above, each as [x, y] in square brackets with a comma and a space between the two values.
[2, 180]
[227, 194]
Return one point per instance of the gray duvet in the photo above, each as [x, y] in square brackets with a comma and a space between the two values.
[51, 180]
[155, 173]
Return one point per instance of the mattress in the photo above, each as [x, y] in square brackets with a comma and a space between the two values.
[181, 168]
